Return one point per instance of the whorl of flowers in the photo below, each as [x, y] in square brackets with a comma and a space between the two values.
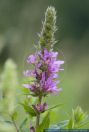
[46, 67]
[45, 63]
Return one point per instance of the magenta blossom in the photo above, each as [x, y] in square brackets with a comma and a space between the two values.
[40, 107]
[32, 59]
[46, 67]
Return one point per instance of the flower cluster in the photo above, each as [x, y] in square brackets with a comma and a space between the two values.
[46, 67]
[40, 107]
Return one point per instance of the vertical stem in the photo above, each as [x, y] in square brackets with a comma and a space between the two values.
[17, 130]
[38, 115]
[14, 124]
[37, 120]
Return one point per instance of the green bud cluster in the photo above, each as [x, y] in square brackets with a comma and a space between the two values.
[47, 38]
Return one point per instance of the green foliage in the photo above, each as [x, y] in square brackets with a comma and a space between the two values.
[44, 124]
[14, 115]
[6, 127]
[23, 123]
[8, 86]
[47, 39]
[55, 106]
[71, 123]
[78, 119]
[46, 121]
[29, 110]
[62, 124]
[78, 115]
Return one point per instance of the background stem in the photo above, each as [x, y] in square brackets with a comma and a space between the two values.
[14, 124]
[17, 130]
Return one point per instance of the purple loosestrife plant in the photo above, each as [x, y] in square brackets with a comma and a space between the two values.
[45, 66]
[42, 81]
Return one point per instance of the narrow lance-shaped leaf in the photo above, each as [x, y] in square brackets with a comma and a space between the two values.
[29, 109]
[63, 124]
[71, 124]
[45, 123]
[23, 123]
[55, 106]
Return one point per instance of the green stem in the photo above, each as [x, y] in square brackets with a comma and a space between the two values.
[38, 114]
[15, 125]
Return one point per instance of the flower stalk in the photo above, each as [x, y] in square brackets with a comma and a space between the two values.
[38, 115]
[46, 66]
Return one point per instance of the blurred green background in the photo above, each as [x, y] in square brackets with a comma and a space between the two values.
[21, 20]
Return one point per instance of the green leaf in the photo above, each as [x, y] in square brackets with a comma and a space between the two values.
[10, 122]
[53, 107]
[25, 130]
[78, 114]
[25, 91]
[71, 124]
[45, 123]
[14, 115]
[62, 124]
[83, 124]
[29, 109]
[54, 127]
[23, 123]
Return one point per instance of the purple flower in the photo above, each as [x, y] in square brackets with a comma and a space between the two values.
[29, 73]
[46, 67]
[45, 56]
[32, 59]
[53, 75]
[32, 129]
[40, 107]
[32, 87]
[54, 66]
[54, 54]
[27, 86]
